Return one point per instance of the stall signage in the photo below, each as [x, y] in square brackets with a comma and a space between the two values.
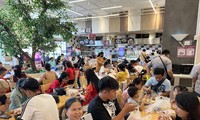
[187, 51]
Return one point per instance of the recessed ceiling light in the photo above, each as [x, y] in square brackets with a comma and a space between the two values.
[75, 1]
[108, 8]
[153, 6]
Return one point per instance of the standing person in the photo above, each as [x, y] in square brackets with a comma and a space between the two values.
[105, 106]
[42, 62]
[158, 83]
[38, 104]
[52, 63]
[161, 61]
[195, 74]
[17, 97]
[18, 73]
[59, 59]
[92, 89]
[100, 61]
[143, 56]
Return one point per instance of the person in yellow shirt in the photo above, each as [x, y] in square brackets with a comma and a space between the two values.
[122, 74]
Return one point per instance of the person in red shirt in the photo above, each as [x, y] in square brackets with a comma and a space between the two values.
[69, 70]
[92, 89]
[2, 74]
[60, 82]
[77, 69]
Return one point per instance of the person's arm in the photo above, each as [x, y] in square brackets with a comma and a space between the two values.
[147, 85]
[126, 109]
[15, 102]
[165, 94]
[29, 111]
[148, 68]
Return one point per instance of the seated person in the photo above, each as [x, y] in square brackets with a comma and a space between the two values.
[60, 82]
[105, 106]
[187, 107]
[177, 90]
[18, 73]
[92, 89]
[48, 76]
[122, 75]
[74, 110]
[137, 82]
[158, 83]
[133, 92]
[105, 69]
[2, 74]
[4, 101]
[38, 104]
[17, 97]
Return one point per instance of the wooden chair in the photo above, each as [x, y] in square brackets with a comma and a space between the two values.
[45, 87]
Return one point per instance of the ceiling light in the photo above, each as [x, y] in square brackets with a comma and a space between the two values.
[74, 12]
[108, 8]
[75, 1]
[153, 6]
[96, 17]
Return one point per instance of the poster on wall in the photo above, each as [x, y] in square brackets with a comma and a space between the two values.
[187, 51]
[181, 52]
[190, 51]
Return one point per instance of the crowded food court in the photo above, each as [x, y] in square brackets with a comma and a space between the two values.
[100, 60]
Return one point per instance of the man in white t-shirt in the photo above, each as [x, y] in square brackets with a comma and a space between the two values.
[158, 83]
[39, 106]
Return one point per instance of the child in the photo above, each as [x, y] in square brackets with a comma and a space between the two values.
[137, 82]
[133, 92]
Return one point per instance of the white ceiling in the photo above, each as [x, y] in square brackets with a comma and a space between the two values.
[93, 7]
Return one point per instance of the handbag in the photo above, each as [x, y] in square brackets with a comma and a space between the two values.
[155, 87]
[60, 91]
[168, 76]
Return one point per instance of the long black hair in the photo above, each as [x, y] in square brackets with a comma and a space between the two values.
[17, 71]
[62, 76]
[101, 53]
[189, 102]
[92, 78]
